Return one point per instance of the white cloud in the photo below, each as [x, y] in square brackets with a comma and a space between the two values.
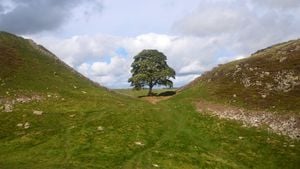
[84, 69]
[107, 73]
[78, 49]
[243, 26]
[217, 31]
[116, 67]
[193, 68]
[279, 4]
[211, 20]
[97, 57]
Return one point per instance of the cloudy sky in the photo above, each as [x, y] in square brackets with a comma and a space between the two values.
[100, 37]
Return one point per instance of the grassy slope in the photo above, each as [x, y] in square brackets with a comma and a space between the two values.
[24, 68]
[173, 133]
[260, 70]
[193, 140]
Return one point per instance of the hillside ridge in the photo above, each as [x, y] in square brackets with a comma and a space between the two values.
[269, 77]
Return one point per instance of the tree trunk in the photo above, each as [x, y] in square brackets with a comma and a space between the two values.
[150, 90]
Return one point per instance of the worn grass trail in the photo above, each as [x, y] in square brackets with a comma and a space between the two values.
[193, 140]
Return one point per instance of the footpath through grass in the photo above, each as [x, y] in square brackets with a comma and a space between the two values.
[101, 129]
[193, 140]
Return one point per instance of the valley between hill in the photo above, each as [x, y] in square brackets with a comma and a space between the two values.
[53, 117]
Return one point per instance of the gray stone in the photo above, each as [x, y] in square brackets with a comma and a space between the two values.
[36, 112]
[8, 107]
[155, 165]
[26, 125]
[138, 143]
[282, 59]
[20, 125]
[100, 128]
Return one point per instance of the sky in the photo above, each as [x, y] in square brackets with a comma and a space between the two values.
[99, 38]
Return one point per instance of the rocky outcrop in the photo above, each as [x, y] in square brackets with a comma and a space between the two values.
[7, 103]
[280, 81]
[288, 125]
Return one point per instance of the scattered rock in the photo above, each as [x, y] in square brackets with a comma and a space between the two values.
[258, 83]
[262, 75]
[23, 99]
[269, 86]
[20, 125]
[286, 81]
[138, 143]
[263, 95]
[72, 115]
[100, 128]
[246, 82]
[292, 145]
[234, 95]
[8, 107]
[155, 165]
[240, 137]
[267, 73]
[282, 59]
[36, 112]
[84, 92]
[280, 124]
[284, 52]
[26, 125]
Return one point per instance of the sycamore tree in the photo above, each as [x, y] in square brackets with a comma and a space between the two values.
[150, 68]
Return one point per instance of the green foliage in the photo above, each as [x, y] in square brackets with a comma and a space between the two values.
[150, 68]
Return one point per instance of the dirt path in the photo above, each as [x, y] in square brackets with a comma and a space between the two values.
[288, 125]
[155, 99]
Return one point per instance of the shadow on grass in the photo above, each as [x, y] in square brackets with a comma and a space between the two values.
[166, 93]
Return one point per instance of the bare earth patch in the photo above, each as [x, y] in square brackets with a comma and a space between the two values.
[156, 99]
[288, 125]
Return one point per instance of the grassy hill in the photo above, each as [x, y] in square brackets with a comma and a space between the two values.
[268, 79]
[59, 119]
[26, 66]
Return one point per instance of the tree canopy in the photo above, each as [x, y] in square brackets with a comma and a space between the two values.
[150, 68]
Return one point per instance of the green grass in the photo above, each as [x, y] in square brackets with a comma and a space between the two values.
[174, 134]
